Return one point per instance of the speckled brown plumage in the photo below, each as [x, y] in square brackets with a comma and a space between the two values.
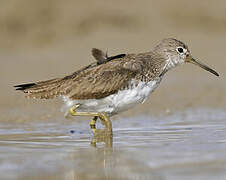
[108, 75]
[113, 84]
[98, 81]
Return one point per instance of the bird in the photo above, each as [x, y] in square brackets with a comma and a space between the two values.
[114, 84]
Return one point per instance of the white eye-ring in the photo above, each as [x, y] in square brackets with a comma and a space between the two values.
[180, 50]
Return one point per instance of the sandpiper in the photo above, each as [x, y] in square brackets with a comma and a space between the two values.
[113, 84]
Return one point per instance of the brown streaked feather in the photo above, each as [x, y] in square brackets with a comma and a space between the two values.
[106, 79]
[52, 88]
[42, 90]
[100, 84]
[98, 81]
[99, 55]
[102, 57]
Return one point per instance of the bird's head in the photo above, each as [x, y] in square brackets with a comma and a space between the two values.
[176, 52]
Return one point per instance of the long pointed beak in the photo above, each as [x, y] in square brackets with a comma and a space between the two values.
[196, 62]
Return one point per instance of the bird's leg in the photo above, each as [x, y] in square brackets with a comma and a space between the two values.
[101, 136]
[72, 110]
[106, 122]
[103, 117]
[92, 124]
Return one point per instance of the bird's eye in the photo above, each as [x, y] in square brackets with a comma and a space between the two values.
[180, 50]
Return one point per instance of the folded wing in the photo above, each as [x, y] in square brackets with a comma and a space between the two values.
[93, 81]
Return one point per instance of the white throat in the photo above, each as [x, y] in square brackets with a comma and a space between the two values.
[173, 61]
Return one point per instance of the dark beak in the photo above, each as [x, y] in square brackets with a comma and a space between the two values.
[193, 61]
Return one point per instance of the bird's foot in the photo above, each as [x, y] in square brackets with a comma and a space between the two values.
[102, 135]
[105, 120]
[72, 110]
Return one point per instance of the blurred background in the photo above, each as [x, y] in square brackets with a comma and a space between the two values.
[43, 39]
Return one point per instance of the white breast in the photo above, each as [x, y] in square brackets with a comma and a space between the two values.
[115, 103]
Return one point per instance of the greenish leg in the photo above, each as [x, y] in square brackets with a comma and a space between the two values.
[103, 117]
[72, 110]
[92, 124]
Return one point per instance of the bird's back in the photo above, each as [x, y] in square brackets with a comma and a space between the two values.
[62, 86]
[97, 80]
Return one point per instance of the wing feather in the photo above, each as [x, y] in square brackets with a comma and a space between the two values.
[97, 81]
[101, 84]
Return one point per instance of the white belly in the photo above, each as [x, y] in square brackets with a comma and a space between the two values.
[115, 103]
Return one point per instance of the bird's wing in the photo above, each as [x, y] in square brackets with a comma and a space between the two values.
[102, 80]
[99, 55]
[93, 81]
[43, 89]
[108, 78]
[102, 57]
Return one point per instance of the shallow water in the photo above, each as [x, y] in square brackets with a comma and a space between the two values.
[184, 145]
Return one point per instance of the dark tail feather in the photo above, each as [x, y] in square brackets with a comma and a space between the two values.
[22, 87]
[116, 57]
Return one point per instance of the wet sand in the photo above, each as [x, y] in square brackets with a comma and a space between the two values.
[178, 133]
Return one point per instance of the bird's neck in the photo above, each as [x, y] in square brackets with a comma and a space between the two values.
[153, 64]
[172, 62]
[160, 63]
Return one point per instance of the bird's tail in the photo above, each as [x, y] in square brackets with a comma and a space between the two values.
[43, 89]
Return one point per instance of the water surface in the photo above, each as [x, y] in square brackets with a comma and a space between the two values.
[183, 145]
